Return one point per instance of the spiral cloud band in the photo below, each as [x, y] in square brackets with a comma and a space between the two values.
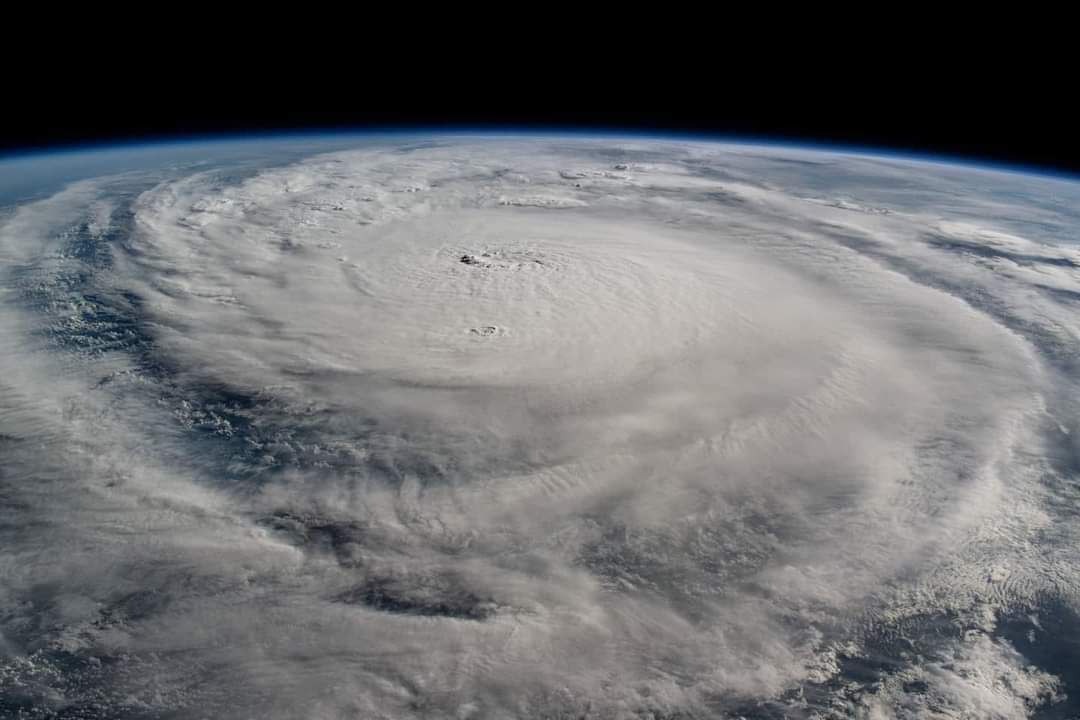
[470, 427]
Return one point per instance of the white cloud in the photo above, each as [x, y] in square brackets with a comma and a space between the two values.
[722, 428]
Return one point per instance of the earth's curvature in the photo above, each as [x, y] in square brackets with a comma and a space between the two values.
[536, 427]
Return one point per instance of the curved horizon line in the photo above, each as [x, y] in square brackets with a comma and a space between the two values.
[152, 140]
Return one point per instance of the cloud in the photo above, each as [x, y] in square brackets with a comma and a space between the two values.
[975, 678]
[736, 419]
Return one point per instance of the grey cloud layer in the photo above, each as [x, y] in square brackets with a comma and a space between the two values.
[534, 428]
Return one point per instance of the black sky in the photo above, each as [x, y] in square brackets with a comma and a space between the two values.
[950, 110]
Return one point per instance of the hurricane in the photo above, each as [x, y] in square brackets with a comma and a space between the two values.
[538, 426]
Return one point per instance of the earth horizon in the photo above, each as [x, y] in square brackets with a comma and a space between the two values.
[549, 425]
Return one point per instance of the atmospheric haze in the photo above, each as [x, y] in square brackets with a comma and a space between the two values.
[465, 427]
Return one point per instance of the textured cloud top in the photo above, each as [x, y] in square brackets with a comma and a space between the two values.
[486, 428]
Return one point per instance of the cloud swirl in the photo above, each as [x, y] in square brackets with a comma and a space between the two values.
[540, 428]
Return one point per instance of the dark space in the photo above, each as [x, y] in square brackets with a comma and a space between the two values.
[999, 115]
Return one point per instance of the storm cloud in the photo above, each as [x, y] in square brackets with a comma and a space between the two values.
[540, 428]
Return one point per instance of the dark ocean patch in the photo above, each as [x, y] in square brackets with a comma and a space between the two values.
[320, 535]
[1048, 637]
[993, 252]
[884, 652]
[440, 595]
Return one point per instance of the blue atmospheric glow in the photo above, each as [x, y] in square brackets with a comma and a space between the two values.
[335, 134]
